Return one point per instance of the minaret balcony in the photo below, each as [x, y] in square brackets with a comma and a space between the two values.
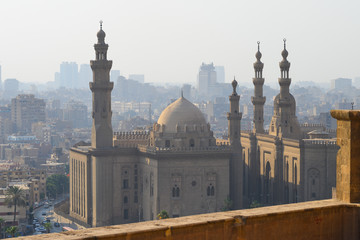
[258, 100]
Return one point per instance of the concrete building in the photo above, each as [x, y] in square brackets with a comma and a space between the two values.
[114, 75]
[207, 80]
[137, 77]
[220, 74]
[0, 78]
[85, 76]
[76, 112]
[180, 167]
[69, 76]
[26, 110]
[341, 83]
[11, 88]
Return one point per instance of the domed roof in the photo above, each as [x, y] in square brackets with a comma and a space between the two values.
[181, 112]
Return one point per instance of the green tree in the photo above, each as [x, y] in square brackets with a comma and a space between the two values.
[48, 226]
[15, 197]
[227, 204]
[255, 204]
[13, 230]
[163, 215]
[2, 222]
[57, 184]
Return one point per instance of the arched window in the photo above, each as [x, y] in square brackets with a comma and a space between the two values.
[192, 143]
[210, 190]
[175, 192]
[126, 200]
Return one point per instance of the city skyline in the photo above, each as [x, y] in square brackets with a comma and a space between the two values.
[168, 41]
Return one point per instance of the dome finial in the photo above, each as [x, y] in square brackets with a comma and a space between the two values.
[284, 53]
[234, 85]
[101, 22]
[258, 53]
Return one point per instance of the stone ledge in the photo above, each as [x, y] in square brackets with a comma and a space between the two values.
[347, 115]
[336, 219]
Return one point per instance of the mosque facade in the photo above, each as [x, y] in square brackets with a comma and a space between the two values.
[180, 167]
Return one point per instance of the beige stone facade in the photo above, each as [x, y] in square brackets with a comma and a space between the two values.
[288, 164]
[180, 167]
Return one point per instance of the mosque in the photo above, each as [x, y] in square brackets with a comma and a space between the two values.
[180, 167]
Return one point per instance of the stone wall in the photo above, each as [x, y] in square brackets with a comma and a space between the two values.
[327, 219]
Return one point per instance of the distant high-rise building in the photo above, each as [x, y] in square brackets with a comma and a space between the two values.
[76, 112]
[220, 74]
[11, 88]
[186, 91]
[341, 83]
[25, 110]
[207, 80]
[137, 77]
[85, 75]
[0, 79]
[69, 77]
[114, 75]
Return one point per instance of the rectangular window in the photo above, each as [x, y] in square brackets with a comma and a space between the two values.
[135, 197]
[126, 213]
[126, 183]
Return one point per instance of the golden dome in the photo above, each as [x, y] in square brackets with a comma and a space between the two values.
[180, 113]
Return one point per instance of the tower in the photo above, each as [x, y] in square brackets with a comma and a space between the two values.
[101, 87]
[236, 164]
[258, 99]
[284, 122]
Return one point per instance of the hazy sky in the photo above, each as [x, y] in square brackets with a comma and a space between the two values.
[168, 40]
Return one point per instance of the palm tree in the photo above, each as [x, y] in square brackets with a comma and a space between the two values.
[12, 230]
[15, 197]
[48, 226]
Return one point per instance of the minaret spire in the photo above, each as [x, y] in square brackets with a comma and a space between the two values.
[101, 87]
[284, 122]
[258, 99]
[234, 119]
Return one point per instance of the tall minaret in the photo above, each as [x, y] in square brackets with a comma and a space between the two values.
[101, 87]
[258, 99]
[284, 122]
[236, 164]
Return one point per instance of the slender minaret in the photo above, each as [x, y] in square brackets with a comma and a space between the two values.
[258, 99]
[236, 164]
[101, 87]
[284, 122]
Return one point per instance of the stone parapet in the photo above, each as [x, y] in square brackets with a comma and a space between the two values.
[348, 157]
[327, 219]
